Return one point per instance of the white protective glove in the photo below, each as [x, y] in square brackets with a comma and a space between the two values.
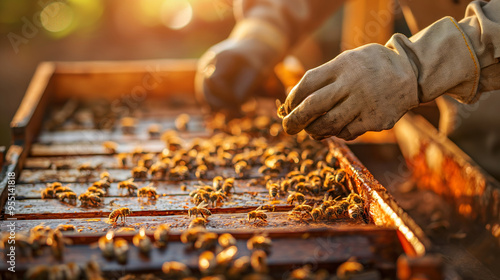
[370, 88]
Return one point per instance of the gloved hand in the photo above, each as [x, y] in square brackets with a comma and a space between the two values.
[371, 87]
[231, 71]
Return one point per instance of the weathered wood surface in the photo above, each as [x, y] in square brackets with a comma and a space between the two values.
[223, 221]
[53, 207]
[30, 191]
[73, 175]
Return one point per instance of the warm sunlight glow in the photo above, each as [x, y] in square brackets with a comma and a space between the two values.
[56, 17]
[176, 14]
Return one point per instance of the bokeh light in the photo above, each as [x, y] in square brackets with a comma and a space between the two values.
[176, 14]
[56, 17]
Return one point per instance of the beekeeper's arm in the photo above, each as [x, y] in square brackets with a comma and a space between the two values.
[230, 72]
[371, 87]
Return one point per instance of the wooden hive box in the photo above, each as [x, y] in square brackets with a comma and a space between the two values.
[160, 91]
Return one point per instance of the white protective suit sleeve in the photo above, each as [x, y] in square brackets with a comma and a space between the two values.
[371, 87]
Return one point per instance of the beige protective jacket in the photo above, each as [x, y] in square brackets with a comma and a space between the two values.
[477, 130]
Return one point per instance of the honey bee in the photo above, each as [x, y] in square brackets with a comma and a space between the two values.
[355, 211]
[217, 197]
[121, 249]
[334, 211]
[128, 125]
[48, 193]
[70, 197]
[161, 235]
[273, 190]
[281, 109]
[199, 210]
[181, 122]
[217, 182]
[259, 242]
[226, 240]
[158, 169]
[207, 263]
[85, 167]
[201, 172]
[154, 131]
[110, 147]
[122, 160]
[93, 271]
[119, 213]
[56, 241]
[99, 192]
[316, 212]
[206, 241]
[89, 199]
[258, 261]
[66, 228]
[336, 190]
[190, 235]
[240, 267]
[200, 196]
[62, 189]
[38, 272]
[175, 270]
[302, 273]
[226, 256]
[349, 268]
[128, 185]
[269, 208]
[198, 222]
[331, 160]
[139, 172]
[180, 172]
[300, 209]
[340, 176]
[148, 191]
[306, 166]
[22, 244]
[354, 198]
[296, 197]
[241, 168]
[257, 214]
[228, 186]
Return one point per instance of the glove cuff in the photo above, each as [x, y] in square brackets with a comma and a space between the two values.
[443, 61]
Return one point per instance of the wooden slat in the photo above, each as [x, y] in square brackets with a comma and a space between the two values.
[72, 175]
[53, 208]
[171, 188]
[330, 249]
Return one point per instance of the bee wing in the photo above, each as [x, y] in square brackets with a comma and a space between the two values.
[278, 103]
[130, 180]
[259, 208]
[203, 204]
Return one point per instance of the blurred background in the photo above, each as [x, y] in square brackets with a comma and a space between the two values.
[76, 30]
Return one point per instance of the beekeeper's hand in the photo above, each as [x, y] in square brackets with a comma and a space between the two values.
[371, 87]
[231, 71]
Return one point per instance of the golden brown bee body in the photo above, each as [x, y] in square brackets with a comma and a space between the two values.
[354, 198]
[228, 186]
[269, 208]
[110, 147]
[281, 112]
[122, 160]
[90, 199]
[119, 213]
[175, 270]
[216, 197]
[306, 166]
[207, 263]
[301, 209]
[66, 228]
[39, 272]
[154, 131]
[201, 172]
[158, 170]
[198, 222]
[48, 193]
[121, 249]
[355, 211]
[258, 261]
[240, 267]
[98, 191]
[161, 235]
[241, 168]
[226, 240]
[217, 182]
[199, 210]
[128, 185]
[340, 175]
[103, 184]
[191, 234]
[85, 167]
[273, 190]
[180, 172]
[206, 241]
[128, 125]
[296, 197]
[139, 172]
[349, 268]
[316, 213]
[68, 197]
[334, 212]
[62, 189]
[56, 241]
[93, 270]
[257, 214]
[147, 191]
[200, 196]
[182, 121]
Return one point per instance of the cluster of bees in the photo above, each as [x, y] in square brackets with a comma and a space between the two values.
[39, 237]
[63, 193]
